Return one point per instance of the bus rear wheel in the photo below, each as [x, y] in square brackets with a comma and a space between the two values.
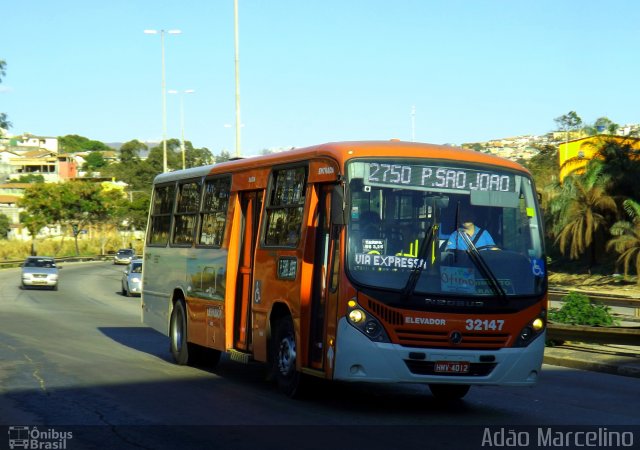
[285, 357]
[178, 334]
[449, 391]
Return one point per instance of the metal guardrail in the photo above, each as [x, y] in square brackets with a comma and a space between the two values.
[594, 335]
[18, 262]
[591, 334]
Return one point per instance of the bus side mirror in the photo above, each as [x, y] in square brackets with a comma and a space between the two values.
[337, 205]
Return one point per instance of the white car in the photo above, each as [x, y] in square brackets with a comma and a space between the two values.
[132, 278]
[40, 271]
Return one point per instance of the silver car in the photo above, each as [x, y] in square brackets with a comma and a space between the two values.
[40, 271]
[124, 256]
[132, 278]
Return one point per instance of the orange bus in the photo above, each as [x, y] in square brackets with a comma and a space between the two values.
[353, 261]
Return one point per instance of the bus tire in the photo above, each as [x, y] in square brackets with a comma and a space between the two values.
[178, 334]
[449, 391]
[285, 357]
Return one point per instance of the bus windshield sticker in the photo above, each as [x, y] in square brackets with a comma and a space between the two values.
[463, 280]
[388, 261]
[457, 279]
[374, 246]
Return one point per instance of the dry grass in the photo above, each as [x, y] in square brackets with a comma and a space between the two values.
[56, 247]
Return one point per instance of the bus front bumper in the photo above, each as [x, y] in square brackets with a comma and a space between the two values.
[357, 358]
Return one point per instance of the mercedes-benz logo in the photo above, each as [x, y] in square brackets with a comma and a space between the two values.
[455, 337]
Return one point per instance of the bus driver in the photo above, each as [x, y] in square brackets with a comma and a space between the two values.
[478, 236]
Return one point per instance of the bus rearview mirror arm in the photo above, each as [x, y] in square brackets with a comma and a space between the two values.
[338, 205]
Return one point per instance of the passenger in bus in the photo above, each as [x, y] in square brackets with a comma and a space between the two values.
[480, 237]
[207, 237]
[370, 225]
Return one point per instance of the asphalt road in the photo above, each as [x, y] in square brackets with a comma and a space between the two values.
[79, 359]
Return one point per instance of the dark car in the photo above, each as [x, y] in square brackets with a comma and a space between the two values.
[124, 256]
[40, 271]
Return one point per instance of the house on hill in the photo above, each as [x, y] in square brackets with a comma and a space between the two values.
[52, 166]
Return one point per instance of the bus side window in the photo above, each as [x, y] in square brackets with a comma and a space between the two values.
[163, 198]
[186, 213]
[285, 208]
[213, 212]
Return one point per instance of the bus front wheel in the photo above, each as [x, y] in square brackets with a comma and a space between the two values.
[178, 334]
[285, 354]
[449, 391]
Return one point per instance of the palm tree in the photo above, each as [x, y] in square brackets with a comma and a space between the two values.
[627, 237]
[583, 210]
[620, 160]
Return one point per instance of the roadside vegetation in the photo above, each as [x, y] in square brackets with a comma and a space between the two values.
[578, 309]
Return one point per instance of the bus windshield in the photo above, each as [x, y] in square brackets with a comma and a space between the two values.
[430, 227]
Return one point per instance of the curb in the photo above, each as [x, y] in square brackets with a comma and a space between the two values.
[627, 365]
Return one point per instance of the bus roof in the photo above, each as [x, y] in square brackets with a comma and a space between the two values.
[342, 152]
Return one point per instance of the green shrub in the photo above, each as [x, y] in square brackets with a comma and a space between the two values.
[578, 309]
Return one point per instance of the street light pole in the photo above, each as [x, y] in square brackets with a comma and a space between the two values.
[182, 146]
[413, 124]
[164, 95]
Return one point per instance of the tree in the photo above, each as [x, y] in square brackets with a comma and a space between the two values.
[196, 157]
[43, 200]
[5, 226]
[136, 211]
[174, 158]
[568, 122]
[29, 178]
[602, 125]
[73, 204]
[222, 157]
[42, 206]
[86, 203]
[130, 151]
[583, 211]
[34, 223]
[138, 176]
[626, 240]
[620, 161]
[544, 165]
[73, 143]
[94, 162]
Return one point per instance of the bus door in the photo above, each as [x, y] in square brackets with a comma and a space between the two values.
[323, 301]
[251, 205]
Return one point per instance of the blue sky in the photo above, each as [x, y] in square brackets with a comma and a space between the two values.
[314, 71]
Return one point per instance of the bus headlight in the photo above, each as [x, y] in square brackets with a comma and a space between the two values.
[357, 316]
[372, 329]
[531, 331]
[366, 323]
[537, 324]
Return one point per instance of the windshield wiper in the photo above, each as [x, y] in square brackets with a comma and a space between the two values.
[417, 269]
[481, 264]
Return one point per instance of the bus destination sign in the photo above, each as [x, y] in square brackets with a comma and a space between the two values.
[437, 177]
